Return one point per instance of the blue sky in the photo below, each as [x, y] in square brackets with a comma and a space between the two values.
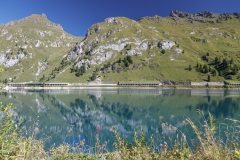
[76, 16]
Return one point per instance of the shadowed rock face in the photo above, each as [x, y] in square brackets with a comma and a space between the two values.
[192, 17]
[182, 14]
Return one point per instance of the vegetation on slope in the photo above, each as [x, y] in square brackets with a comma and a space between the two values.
[31, 46]
[172, 48]
[200, 43]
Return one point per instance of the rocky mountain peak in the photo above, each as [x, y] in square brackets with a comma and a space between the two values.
[182, 14]
[34, 19]
[199, 17]
[43, 15]
[206, 14]
[154, 18]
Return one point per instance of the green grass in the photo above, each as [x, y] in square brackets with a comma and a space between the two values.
[160, 66]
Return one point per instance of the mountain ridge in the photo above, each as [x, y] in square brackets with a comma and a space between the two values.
[159, 48]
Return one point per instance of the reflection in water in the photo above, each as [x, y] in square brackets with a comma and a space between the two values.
[76, 115]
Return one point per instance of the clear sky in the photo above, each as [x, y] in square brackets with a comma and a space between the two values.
[76, 16]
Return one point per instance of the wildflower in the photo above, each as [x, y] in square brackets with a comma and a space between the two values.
[175, 128]
[82, 142]
[161, 118]
[237, 153]
[163, 125]
[97, 129]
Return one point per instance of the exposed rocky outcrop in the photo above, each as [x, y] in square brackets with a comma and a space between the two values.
[206, 14]
[41, 67]
[236, 14]
[50, 24]
[34, 18]
[133, 53]
[107, 45]
[20, 40]
[155, 18]
[166, 45]
[223, 17]
[199, 17]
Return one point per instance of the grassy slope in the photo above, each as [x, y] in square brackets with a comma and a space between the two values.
[26, 69]
[160, 66]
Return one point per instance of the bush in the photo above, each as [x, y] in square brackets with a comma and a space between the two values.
[129, 59]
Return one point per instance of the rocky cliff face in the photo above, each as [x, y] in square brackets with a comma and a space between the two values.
[117, 35]
[198, 17]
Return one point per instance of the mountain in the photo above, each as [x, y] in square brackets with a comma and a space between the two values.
[32, 46]
[181, 47]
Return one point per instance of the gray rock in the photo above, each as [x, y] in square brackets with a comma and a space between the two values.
[51, 24]
[109, 55]
[82, 63]
[155, 18]
[180, 14]
[97, 29]
[143, 46]
[113, 20]
[192, 32]
[2, 58]
[178, 50]
[109, 33]
[133, 53]
[206, 14]
[20, 56]
[55, 44]
[11, 23]
[236, 14]
[192, 17]
[43, 15]
[10, 62]
[166, 45]
[110, 20]
[9, 37]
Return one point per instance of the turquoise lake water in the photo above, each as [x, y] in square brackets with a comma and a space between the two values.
[69, 116]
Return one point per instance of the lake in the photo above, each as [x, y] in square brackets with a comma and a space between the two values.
[69, 116]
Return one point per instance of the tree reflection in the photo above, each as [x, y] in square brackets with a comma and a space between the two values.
[222, 108]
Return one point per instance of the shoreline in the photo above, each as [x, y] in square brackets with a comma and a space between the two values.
[7, 88]
[26, 86]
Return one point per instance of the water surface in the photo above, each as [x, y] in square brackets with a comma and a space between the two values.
[60, 116]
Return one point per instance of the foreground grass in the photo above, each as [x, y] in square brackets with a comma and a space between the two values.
[206, 145]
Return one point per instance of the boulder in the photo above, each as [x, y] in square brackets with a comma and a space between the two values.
[178, 50]
[166, 45]
[43, 15]
[143, 46]
[206, 14]
[10, 62]
[109, 55]
[133, 53]
[11, 23]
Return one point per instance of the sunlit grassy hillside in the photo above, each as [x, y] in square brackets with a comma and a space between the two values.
[121, 49]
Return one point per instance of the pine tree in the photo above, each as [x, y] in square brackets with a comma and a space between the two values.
[129, 59]
[190, 67]
[209, 78]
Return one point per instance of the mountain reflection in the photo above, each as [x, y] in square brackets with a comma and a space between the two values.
[66, 114]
